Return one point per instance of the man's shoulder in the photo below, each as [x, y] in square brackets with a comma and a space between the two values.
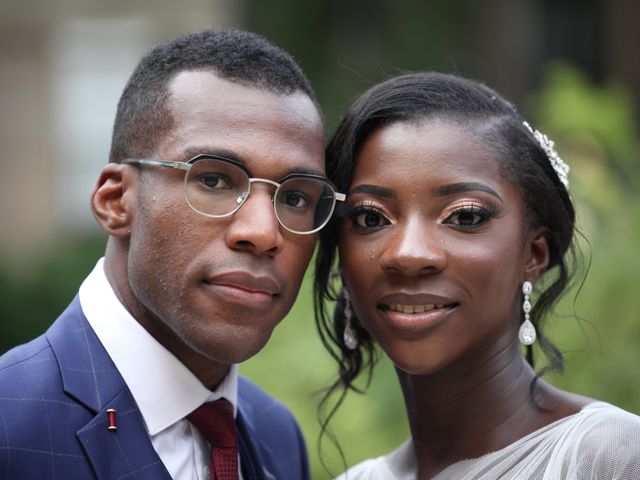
[29, 376]
[32, 395]
[21, 363]
[258, 404]
[31, 363]
[274, 431]
[31, 382]
[267, 416]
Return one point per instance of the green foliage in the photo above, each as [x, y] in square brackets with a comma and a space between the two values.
[32, 298]
[598, 327]
[601, 116]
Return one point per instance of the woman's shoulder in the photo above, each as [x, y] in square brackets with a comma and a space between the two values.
[397, 465]
[607, 440]
[599, 425]
[605, 418]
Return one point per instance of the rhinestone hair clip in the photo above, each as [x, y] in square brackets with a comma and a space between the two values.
[561, 168]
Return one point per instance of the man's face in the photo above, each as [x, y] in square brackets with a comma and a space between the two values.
[216, 287]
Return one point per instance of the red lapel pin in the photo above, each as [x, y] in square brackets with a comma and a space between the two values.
[111, 414]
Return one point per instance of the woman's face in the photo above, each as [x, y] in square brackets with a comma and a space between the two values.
[433, 249]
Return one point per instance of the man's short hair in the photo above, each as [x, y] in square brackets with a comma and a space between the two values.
[243, 57]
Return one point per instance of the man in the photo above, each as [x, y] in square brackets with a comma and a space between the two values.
[211, 199]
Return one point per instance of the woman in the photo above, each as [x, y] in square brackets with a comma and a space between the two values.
[456, 212]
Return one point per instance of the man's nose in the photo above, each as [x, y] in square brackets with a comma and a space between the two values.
[255, 227]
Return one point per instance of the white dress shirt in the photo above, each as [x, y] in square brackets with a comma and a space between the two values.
[162, 387]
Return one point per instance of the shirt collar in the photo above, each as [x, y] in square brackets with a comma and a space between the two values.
[163, 388]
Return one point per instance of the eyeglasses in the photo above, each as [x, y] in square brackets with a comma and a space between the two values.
[217, 187]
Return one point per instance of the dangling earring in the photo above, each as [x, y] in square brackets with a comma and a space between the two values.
[349, 337]
[527, 333]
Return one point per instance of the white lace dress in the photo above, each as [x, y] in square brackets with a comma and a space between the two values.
[601, 442]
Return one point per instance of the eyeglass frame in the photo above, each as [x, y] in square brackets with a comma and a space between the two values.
[186, 167]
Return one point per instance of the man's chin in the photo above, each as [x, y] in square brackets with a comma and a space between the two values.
[235, 347]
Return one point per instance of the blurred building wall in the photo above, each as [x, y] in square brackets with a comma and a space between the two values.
[63, 65]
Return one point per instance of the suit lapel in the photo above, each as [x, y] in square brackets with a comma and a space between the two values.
[123, 453]
[89, 376]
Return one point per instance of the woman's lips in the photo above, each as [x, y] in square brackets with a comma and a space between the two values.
[398, 307]
[407, 315]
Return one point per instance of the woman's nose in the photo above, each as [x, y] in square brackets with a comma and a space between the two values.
[414, 249]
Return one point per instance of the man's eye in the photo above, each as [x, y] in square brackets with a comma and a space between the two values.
[294, 199]
[214, 181]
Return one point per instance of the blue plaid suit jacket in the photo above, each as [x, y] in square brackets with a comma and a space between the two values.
[54, 393]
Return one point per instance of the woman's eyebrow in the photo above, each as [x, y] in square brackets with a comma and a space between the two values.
[454, 188]
[372, 190]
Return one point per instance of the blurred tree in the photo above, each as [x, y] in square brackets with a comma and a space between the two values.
[31, 299]
[598, 325]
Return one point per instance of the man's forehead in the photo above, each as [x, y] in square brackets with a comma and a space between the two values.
[194, 89]
[260, 128]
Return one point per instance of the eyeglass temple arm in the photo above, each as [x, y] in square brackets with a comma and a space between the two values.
[159, 163]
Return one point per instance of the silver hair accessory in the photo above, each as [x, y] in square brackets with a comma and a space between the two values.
[561, 168]
[349, 336]
[527, 333]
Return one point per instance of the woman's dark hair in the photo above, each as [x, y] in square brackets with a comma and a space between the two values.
[416, 97]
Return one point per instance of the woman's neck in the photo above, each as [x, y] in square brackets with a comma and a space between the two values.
[467, 411]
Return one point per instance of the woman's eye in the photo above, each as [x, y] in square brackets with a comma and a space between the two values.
[370, 219]
[214, 181]
[468, 217]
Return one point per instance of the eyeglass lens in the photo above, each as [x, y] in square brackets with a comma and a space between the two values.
[218, 188]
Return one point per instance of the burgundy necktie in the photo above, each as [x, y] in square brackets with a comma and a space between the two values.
[215, 421]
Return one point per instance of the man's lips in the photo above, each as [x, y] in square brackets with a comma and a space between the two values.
[260, 284]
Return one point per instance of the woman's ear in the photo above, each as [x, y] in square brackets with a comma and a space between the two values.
[536, 255]
[113, 199]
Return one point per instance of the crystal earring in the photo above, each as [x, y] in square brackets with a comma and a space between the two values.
[349, 336]
[527, 333]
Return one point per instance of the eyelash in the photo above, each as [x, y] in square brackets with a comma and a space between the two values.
[354, 212]
[482, 212]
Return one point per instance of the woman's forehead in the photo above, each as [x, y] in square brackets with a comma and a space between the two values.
[425, 148]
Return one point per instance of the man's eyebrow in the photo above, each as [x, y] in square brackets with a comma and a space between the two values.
[228, 154]
[306, 171]
[454, 188]
[216, 152]
[372, 190]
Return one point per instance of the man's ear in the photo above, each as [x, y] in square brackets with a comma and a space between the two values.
[113, 199]
[536, 255]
